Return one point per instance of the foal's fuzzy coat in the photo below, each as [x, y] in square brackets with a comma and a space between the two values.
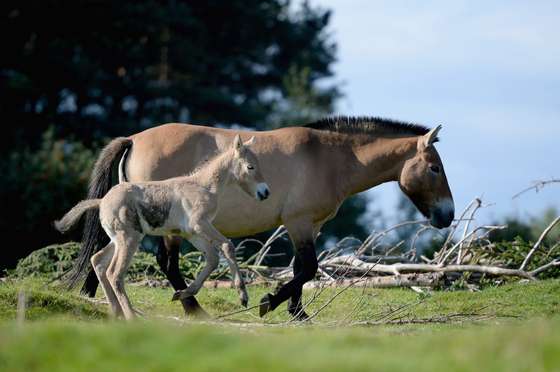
[184, 206]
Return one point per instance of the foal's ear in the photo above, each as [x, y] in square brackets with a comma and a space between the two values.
[250, 142]
[237, 144]
[429, 138]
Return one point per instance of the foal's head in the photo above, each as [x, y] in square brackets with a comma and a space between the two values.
[423, 180]
[246, 171]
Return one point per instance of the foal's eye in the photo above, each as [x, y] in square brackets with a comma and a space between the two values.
[434, 168]
[250, 167]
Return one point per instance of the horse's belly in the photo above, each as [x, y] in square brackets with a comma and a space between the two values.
[240, 215]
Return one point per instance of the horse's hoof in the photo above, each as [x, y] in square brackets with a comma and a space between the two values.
[296, 311]
[181, 295]
[265, 304]
[244, 299]
[299, 316]
[193, 309]
[197, 313]
[176, 296]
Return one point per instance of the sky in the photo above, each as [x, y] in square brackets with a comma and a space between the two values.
[489, 72]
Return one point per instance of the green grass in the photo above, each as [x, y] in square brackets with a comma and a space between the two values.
[520, 332]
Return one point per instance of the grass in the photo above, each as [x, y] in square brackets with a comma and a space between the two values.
[520, 332]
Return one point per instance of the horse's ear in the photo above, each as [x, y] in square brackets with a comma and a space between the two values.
[237, 144]
[429, 138]
[250, 142]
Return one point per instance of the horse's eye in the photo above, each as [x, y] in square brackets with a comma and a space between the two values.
[434, 168]
[250, 167]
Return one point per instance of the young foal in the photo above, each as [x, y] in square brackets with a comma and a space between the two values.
[183, 206]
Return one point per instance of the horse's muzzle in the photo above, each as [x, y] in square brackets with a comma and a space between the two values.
[262, 191]
[443, 214]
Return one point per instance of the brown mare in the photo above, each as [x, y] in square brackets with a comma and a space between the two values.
[311, 170]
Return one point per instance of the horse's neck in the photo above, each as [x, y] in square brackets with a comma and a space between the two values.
[215, 174]
[378, 161]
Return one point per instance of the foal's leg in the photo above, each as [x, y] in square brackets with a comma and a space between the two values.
[168, 259]
[100, 263]
[203, 244]
[126, 245]
[304, 250]
[228, 249]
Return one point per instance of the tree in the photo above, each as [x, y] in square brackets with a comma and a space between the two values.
[107, 68]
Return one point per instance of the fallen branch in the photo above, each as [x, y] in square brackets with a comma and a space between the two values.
[398, 268]
[406, 280]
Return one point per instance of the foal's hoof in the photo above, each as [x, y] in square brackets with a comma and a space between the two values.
[181, 295]
[265, 304]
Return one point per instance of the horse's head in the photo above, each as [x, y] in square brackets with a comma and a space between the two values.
[423, 180]
[246, 171]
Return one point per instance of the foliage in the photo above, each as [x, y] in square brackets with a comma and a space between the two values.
[511, 254]
[50, 262]
[55, 260]
[38, 187]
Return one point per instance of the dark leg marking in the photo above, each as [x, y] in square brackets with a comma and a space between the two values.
[309, 266]
[295, 307]
[134, 218]
[155, 215]
[168, 259]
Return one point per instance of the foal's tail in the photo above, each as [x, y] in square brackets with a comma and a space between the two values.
[100, 182]
[71, 218]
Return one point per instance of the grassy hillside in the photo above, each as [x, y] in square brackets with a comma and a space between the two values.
[514, 327]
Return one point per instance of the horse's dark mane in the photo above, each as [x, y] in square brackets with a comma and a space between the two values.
[368, 125]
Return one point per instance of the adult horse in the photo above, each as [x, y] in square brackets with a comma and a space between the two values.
[311, 170]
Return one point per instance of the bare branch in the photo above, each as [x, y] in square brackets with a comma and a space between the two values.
[537, 185]
[538, 243]
[398, 268]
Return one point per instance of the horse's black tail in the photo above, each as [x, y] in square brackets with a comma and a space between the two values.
[93, 237]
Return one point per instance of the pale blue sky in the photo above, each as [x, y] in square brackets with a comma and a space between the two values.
[489, 71]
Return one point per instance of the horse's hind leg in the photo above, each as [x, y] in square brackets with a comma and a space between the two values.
[168, 259]
[100, 262]
[203, 244]
[126, 245]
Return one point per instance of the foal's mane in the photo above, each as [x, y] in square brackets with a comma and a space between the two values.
[204, 163]
[368, 125]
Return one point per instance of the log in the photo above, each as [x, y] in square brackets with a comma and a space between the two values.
[353, 263]
[405, 280]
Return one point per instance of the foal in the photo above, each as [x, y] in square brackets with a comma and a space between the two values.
[183, 206]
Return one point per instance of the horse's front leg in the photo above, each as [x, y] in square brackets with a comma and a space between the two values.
[305, 268]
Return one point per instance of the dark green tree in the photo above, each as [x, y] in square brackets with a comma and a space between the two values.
[106, 68]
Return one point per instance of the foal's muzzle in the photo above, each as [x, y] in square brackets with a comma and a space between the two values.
[262, 192]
